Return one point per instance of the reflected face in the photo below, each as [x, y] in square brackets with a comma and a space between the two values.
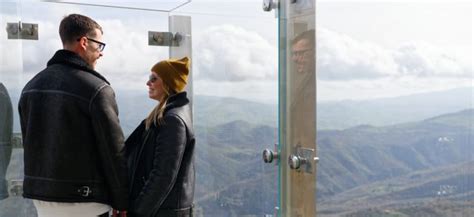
[155, 87]
[303, 56]
[93, 51]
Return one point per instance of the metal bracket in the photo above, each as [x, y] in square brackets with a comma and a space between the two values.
[164, 39]
[269, 5]
[270, 156]
[303, 160]
[28, 31]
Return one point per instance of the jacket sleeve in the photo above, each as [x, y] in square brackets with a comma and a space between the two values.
[110, 142]
[6, 118]
[169, 150]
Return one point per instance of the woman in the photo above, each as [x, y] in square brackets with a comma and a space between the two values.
[161, 150]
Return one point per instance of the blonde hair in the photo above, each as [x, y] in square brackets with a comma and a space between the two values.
[156, 115]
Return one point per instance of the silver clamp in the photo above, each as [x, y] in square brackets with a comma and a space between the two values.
[165, 39]
[304, 160]
[21, 30]
[269, 155]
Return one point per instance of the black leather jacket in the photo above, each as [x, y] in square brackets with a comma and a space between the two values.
[74, 146]
[6, 125]
[161, 162]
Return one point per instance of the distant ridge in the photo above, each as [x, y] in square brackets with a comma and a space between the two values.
[134, 106]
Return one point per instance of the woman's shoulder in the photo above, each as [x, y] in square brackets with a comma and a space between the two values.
[172, 117]
[182, 112]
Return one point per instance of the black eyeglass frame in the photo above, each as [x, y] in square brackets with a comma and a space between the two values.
[101, 44]
[301, 53]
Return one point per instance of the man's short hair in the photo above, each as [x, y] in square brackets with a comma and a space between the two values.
[75, 26]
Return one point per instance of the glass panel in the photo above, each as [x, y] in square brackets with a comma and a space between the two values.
[149, 5]
[11, 153]
[181, 27]
[395, 108]
[126, 64]
[235, 106]
[298, 108]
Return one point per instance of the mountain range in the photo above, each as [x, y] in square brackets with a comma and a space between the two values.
[379, 165]
[211, 111]
[374, 166]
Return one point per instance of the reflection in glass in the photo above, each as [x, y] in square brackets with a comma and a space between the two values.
[303, 90]
[301, 116]
[6, 126]
[297, 103]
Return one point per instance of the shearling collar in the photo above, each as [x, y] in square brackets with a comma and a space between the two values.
[177, 100]
[73, 60]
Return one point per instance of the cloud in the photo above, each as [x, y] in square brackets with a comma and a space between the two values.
[341, 57]
[385, 87]
[231, 53]
[231, 60]
[127, 57]
[28, 57]
[425, 60]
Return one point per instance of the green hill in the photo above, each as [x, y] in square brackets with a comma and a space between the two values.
[365, 154]
[445, 191]
[232, 180]
[349, 160]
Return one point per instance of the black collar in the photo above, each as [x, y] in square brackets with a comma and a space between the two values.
[177, 100]
[72, 59]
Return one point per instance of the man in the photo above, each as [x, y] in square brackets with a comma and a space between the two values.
[74, 159]
[303, 54]
[6, 125]
[302, 112]
[302, 97]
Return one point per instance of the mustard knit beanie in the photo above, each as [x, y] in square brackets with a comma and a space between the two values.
[173, 72]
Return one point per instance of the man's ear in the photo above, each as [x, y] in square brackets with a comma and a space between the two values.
[82, 43]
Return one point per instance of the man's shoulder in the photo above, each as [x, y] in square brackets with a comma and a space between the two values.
[64, 78]
[76, 73]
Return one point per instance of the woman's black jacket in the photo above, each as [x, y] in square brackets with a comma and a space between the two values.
[161, 163]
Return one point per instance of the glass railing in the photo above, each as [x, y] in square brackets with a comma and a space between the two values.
[394, 100]
[235, 106]
[148, 5]
[234, 89]
[395, 109]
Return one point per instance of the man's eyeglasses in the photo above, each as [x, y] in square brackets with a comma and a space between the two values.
[152, 78]
[101, 44]
[301, 53]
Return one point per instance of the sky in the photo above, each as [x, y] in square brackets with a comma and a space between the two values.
[365, 49]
